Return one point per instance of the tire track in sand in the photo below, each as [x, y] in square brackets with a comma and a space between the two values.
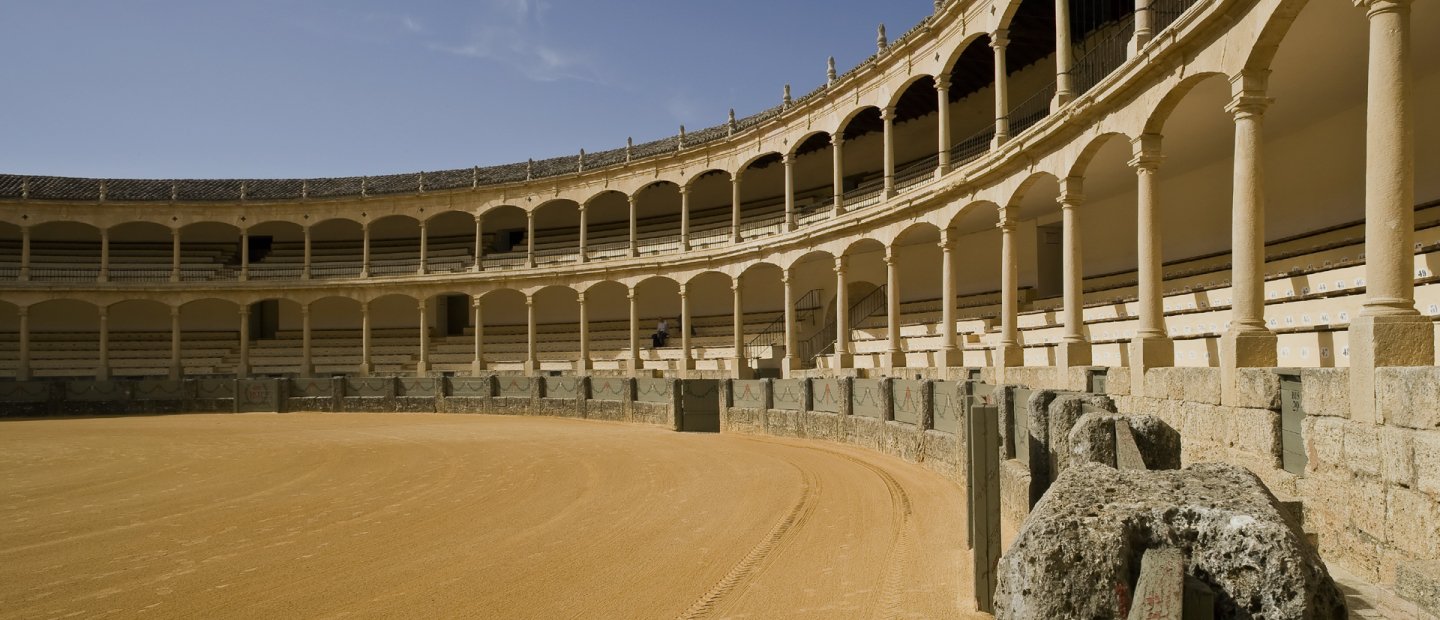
[796, 517]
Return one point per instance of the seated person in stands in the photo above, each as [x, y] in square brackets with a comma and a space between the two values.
[661, 335]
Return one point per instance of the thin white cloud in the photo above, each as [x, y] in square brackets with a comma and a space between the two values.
[515, 38]
[412, 25]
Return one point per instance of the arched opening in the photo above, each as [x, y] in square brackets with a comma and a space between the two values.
[1100, 35]
[140, 252]
[557, 232]
[394, 245]
[64, 252]
[657, 214]
[335, 248]
[869, 337]
[1030, 64]
[212, 251]
[335, 326]
[11, 238]
[814, 173]
[64, 339]
[276, 338]
[658, 299]
[710, 208]
[972, 101]
[762, 299]
[557, 328]
[762, 196]
[607, 226]
[505, 329]
[139, 338]
[607, 306]
[917, 123]
[277, 251]
[9, 340]
[450, 242]
[977, 280]
[506, 236]
[394, 334]
[863, 163]
[712, 324]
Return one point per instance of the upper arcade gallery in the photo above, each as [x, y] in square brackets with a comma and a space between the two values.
[1032, 148]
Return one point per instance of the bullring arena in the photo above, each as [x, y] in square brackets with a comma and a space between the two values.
[1050, 308]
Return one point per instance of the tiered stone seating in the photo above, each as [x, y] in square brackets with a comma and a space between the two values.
[129, 261]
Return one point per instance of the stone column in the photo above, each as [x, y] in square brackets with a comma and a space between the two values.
[1151, 347]
[102, 371]
[422, 362]
[1064, 56]
[1248, 343]
[529, 238]
[998, 41]
[365, 250]
[175, 255]
[307, 356]
[177, 367]
[365, 367]
[837, 146]
[305, 263]
[584, 363]
[244, 255]
[791, 363]
[24, 253]
[687, 356]
[105, 255]
[895, 358]
[424, 248]
[942, 94]
[22, 373]
[735, 208]
[584, 234]
[634, 226]
[950, 355]
[634, 362]
[789, 162]
[685, 217]
[1008, 352]
[1074, 347]
[887, 115]
[480, 240]
[1144, 26]
[477, 365]
[843, 357]
[532, 348]
[1389, 331]
[739, 368]
[242, 364]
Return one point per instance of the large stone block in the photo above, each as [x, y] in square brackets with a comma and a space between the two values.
[1412, 522]
[1093, 440]
[1325, 392]
[1426, 466]
[1324, 444]
[1419, 583]
[1256, 434]
[1362, 448]
[1257, 388]
[1409, 397]
[1052, 416]
[1198, 385]
[1117, 381]
[1077, 555]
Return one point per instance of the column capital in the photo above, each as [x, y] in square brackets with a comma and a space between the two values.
[175, 311]
[735, 284]
[304, 309]
[475, 302]
[947, 240]
[735, 177]
[633, 198]
[787, 159]
[1007, 221]
[837, 138]
[683, 291]
[1147, 152]
[999, 39]
[529, 300]
[942, 84]
[785, 276]
[887, 113]
[1072, 192]
[685, 190]
[23, 311]
[890, 257]
[104, 310]
[1376, 7]
[580, 298]
[423, 305]
[245, 309]
[840, 264]
[630, 293]
[1247, 90]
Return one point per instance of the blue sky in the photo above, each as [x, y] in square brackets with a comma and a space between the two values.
[305, 88]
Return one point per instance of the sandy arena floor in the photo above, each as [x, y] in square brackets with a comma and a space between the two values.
[301, 515]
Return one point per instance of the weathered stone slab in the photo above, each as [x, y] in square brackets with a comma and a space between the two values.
[413, 387]
[514, 387]
[312, 387]
[158, 389]
[369, 387]
[907, 398]
[24, 392]
[1160, 592]
[1075, 555]
[788, 394]
[867, 398]
[648, 390]
[947, 404]
[827, 395]
[472, 387]
[97, 391]
[609, 388]
[1096, 439]
[213, 389]
[750, 394]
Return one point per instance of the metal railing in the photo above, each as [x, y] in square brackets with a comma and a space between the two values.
[1032, 110]
[822, 342]
[916, 172]
[1165, 12]
[773, 334]
[864, 196]
[973, 147]
[1101, 53]
[709, 236]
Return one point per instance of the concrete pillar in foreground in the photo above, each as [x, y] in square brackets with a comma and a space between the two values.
[422, 362]
[175, 254]
[177, 367]
[739, 368]
[837, 146]
[105, 256]
[477, 365]
[942, 94]
[1074, 348]
[1248, 343]
[735, 207]
[998, 42]
[584, 364]
[1389, 331]
[843, 357]
[634, 361]
[791, 362]
[1151, 347]
[1064, 56]
[687, 359]
[532, 349]
[242, 364]
[894, 357]
[950, 354]
[102, 370]
[887, 116]
[1008, 351]
[307, 357]
[22, 373]
[365, 367]
[788, 160]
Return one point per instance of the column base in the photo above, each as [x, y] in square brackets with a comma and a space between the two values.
[364, 370]
[22, 374]
[1137, 42]
[950, 358]
[1251, 348]
[1060, 100]
[422, 368]
[1009, 355]
[739, 369]
[102, 375]
[998, 141]
[1070, 354]
[307, 370]
[176, 374]
[1384, 341]
[530, 366]
[635, 365]
[583, 364]
[790, 366]
[1148, 352]
[894, 359]
[842, 360]
[477, 368]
